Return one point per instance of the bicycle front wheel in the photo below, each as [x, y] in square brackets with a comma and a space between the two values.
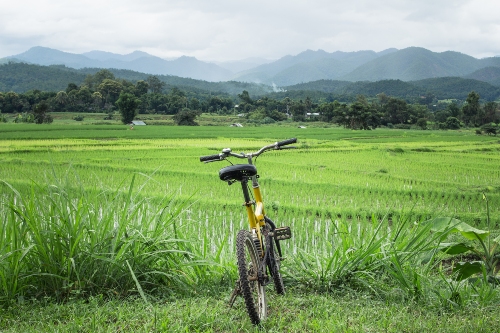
[253, 292]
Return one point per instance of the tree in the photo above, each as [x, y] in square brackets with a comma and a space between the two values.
[40, 113]
[471, 109]
[127, 103]
[452, 123]
[491, 113]
[110, 90]
[71, 87]
[422, 123]
[11, 103]
[141, 88]
[155, 85]
[186, 117]
[97, 100]
[396, 111]
[298, 111]
[95, 80]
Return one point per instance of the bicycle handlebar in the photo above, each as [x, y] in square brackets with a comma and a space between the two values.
[210, 158]
[227, 151]
[286, 142]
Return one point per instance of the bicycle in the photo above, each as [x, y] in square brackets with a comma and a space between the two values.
[255, 248]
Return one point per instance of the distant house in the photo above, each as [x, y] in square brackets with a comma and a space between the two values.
[236, 125]
[312, 114]
[137, 122]
[302, 126]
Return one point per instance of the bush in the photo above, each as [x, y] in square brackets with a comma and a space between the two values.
[78, 118]
[422, 123]
[452, 123]
[268, 120]
[489, 129]
[186, 117]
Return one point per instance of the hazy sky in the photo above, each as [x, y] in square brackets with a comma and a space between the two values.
[234, 30]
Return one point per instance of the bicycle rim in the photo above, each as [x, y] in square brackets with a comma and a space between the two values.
[253, 292]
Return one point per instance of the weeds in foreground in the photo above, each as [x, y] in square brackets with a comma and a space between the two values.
[63, 241]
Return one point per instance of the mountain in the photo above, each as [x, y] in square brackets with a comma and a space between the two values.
[308, 66]
[104, 56]
[237, 66]
[490, 75]
[136, 61]
[415, 63]
[22, 77]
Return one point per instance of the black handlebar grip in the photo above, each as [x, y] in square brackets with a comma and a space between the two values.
[210, 158]
[286, 142]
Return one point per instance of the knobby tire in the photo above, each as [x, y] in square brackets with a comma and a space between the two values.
[252, 291]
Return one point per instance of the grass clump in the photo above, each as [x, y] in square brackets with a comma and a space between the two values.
[63, 241]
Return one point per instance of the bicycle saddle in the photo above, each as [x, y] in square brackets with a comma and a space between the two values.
[237, 172]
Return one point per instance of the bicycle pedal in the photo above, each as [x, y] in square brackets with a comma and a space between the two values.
[282, 233]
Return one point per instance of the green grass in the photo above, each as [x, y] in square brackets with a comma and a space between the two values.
[295, 312]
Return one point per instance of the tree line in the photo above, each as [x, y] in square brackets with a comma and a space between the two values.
[103, 92]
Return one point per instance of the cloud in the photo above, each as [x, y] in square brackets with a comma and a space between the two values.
[226, 30]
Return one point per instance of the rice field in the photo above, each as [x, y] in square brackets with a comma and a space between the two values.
[335, 180]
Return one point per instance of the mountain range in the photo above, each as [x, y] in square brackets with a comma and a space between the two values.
[409, 64]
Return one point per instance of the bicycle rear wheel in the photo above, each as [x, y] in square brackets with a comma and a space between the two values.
[253, 292]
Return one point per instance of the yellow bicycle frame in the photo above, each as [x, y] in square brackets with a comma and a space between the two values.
[256, 218]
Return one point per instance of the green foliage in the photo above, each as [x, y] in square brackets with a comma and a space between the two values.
[471, 109]
[62, 241]
[127, 105]
[490, 129]
[451, 123]
[22, 77]
[186, 118]
[485, 248]
[422, 123]
[24, 118]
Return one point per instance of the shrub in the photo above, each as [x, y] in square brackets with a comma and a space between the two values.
[422, 123]
[78, 118]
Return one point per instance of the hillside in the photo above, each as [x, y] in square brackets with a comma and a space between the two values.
[490, 75]
[136, 61]
[415, 63]
[442, 88]
[455, 87]
[21, 77]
